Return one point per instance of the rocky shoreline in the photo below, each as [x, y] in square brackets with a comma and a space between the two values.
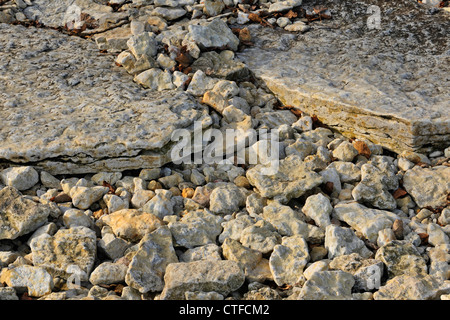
[92, 208]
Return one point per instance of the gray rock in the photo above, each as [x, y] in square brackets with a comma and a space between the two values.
[7, 293]
[214, 34]
[146, 270]
[221, 65]
[287, 222]
[19, 215]
[355, 102]
[196, 228]
[318, 208]
[378, 177]
[84, 197]
[401, 257]
[328, 285]
[428, 186]
[232, 229]
[409, 287]
[169, 13]
[103, 93]
[291, 180]
[261, 236]
[345, 152]
[227, 199]
[113, 246]
[365, 220]
[77, 218]
[343, 241]
[108, 273]
[222, 277]
[36, 279]
[21, 178]
[160, 205]
[288, 260]
[207, 252]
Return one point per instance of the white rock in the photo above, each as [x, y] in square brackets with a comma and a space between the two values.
[84, 197]
[108, 273]
[36, 279]
[76, 218]
[342, 241]
[21, 178]
[318, 208]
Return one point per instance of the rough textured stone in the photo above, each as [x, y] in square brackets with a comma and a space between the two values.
[288, 260]
[428, 186]
[69, 251]
[21, 178]
[19, 215]
[206, 275]
[108, 273]
[409, 287]
[291, 180]
[215, 34]
[227, 199]
[318, 208]
[328, 285]
[131, 224]
[343, 241]
[386, 98]
[70, 139]
[146, 270]
[196, 228]
[365, 220]
[37, 280]
[401, 257]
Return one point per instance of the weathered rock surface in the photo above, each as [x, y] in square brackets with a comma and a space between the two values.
[221, 276]
[76, 111]
[384, 98]
[69, 251]
[19, 215]
[36, 280]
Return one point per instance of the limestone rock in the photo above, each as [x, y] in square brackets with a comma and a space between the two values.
[21, 178]
[131, 224]
[288, 260]
[247, 258]
[328, 285]
[410, 287]
[343, 241]
[291, 180]
[222, 277]
[367, 102]
[19, 215]
[215, 34]
[227, 199]
[261, 236]
[69, 251]
[8, 293]
[221, 65]
[401, 258]
[84, 197]
[196, 228]
[318, 208]
[208, 251]
[365, 220]
[155, 253]
[108, 273]
[428, 186]
[36, 279]
[232, 229]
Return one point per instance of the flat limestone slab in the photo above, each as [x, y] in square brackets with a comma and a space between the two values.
[390, 85]
[66, 108]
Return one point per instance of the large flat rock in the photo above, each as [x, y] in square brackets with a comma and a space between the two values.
[66, 108]
[389, 85]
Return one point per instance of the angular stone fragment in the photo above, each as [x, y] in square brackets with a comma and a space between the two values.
[261, 236]
[214, 34]
[343, 241]
[318, 208]
[410, 287]
[288, 260]
[328, 285]
[21, 178]
[36, 279]
[146, 270]
[360, 97]
[108, 273]
[69, 140]
[401, 257]
[7, 293]
[222, 277]
[19, 215]
[131, 224]
[69, 251]
[227, 199]
[428, 186]
[365, 220]
[291, 179]
[196, 228]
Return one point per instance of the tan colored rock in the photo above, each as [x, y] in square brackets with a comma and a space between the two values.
[131, 224]
[36, 279]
